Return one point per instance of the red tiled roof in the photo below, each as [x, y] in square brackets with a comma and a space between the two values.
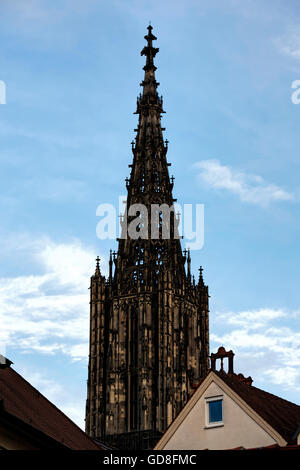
[23, 401]
[281, 414]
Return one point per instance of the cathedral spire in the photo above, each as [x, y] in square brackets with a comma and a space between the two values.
[150, 185]
[149, 180]
[149, 321]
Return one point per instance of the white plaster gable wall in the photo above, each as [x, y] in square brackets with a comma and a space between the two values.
[239, 428]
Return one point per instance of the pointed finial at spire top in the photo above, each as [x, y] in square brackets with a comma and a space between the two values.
[150, 35]
[201, 281]
[149, 51]
[149, 95]
[97, 271]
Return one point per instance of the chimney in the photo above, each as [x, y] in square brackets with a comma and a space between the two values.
[221, 354]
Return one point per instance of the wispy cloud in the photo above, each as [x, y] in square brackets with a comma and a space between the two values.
[36, 13]
[56, 189]
[47, 24]
[250, 188]
[266, 347]
[48, 312]
[46, 137]
[289, 43]
[252, 319]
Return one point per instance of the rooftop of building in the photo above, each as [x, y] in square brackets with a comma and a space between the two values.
[21, 400]
[281, 414]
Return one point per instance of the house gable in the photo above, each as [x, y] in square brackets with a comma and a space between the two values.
[241, 426]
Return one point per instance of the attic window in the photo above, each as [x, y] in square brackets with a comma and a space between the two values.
[214, 412]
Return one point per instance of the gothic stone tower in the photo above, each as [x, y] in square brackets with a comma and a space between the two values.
[149, 319]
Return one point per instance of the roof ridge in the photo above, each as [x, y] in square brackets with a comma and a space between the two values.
[251, 387]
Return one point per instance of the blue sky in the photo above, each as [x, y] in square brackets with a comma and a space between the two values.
[72, 71]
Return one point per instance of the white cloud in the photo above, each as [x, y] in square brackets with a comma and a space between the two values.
[252, 319]
[266, 343]
[284, 375]
[289, 43]
[49, 312]
[249, 188]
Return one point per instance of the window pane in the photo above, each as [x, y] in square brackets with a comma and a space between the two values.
[215, 411]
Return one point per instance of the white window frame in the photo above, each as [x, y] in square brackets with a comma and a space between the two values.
[215, 424]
